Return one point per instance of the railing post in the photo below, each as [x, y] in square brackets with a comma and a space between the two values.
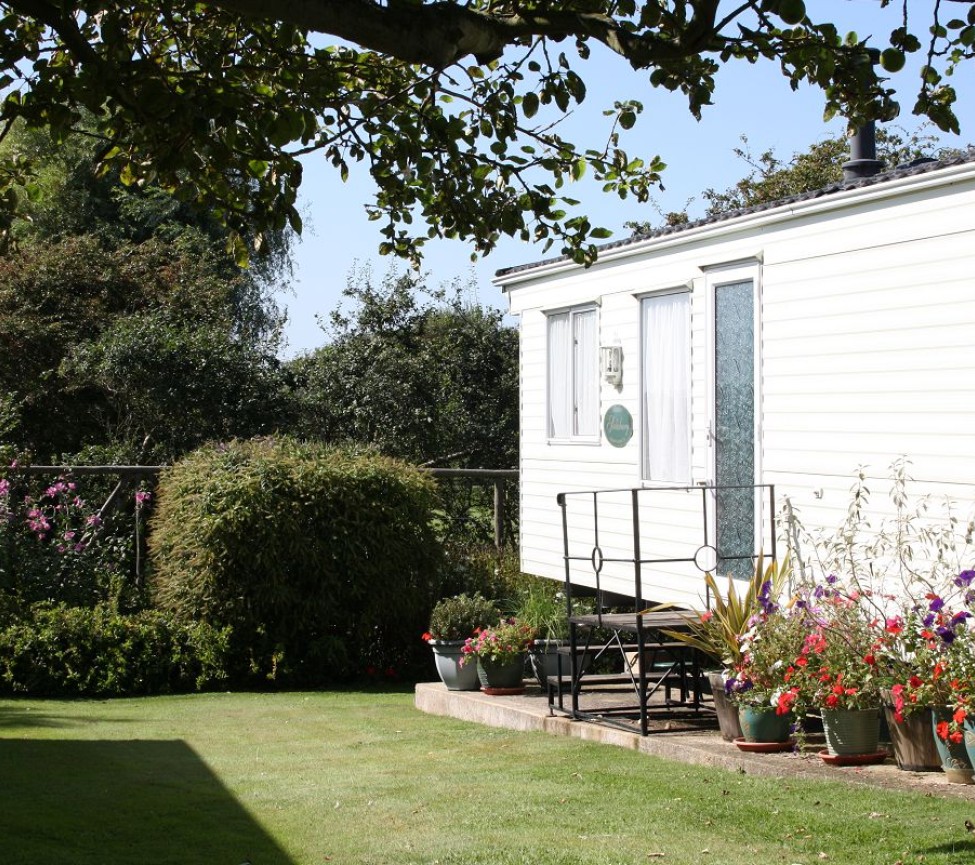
[499, 514]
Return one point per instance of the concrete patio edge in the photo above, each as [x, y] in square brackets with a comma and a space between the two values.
[529, 713]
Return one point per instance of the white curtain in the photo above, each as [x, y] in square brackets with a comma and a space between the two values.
[586, 374]
[559, 376]
[667, 387]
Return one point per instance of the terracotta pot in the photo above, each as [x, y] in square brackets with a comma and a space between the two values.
[724, 708]
[911, 739]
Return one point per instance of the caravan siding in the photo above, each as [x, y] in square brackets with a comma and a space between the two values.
[866, 311]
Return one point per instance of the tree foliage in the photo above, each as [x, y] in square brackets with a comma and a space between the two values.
[121, 317]
[426, 381]
[771, 178]
[448, 105]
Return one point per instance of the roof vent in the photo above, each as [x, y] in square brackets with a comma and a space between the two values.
[863, 160]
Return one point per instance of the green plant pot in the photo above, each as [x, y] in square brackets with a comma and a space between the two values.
[851, 731]
[447, 656]
[762, 724]
[504, 676]
[954, 755]
[543, 660]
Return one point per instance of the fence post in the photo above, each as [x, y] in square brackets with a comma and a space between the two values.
[499, 513]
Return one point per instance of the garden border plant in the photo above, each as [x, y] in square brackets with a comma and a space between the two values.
[322, 560]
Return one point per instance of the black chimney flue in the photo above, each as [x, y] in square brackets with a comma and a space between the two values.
[863, 160]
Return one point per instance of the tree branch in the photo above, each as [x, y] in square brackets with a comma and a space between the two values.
[442, 33]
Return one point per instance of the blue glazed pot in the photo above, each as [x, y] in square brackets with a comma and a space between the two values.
[954, 756]
[762, 724]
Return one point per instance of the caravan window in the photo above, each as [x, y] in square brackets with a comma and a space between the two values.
[666, 327]
[573, 375]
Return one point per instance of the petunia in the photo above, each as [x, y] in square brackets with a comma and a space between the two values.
[964, 579]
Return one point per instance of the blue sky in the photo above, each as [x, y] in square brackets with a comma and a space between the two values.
[755, 101]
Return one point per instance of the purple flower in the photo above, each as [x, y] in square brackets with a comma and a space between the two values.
[818, 592]
[832, 579]
[964, 579]
[928, 620]
[936, 605]
[947, 635]
[960, 617]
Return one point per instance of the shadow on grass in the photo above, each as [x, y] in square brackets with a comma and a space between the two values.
[122, 802]
[14, 717]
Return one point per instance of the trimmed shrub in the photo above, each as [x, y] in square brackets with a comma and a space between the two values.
[97, 652]
[321, 560]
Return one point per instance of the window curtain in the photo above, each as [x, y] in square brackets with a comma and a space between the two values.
[559, 377]
[586, 374]
[667, 387]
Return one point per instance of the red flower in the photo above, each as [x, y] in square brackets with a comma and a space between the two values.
[785, 702]
[831, 701]
[915, 681]
[801, 662]
[942, 730]
[960, 715]
[427, 637]
[870, 659]
[957, 737]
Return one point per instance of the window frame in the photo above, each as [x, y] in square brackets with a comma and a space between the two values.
[684, 291]
[572, 391]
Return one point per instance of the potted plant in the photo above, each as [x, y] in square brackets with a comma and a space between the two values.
[540, 604]
[499, 655]
[758, 683]
[916, 648]
[452, 621]
[718, 631]
[837, 672]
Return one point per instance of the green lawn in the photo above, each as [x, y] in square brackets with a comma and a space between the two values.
[306, 779]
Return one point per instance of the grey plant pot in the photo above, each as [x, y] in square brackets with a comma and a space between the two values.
[447, 656]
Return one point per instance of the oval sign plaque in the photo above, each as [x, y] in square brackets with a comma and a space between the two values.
[618, 425]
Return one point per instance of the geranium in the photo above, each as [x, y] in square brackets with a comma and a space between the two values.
[505, 642]
[837, 665]
[924, 650]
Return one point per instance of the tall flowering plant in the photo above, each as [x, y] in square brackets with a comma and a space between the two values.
[837, 664]
[760, 677]
[53, 546]
[506, 642]
[922, 650]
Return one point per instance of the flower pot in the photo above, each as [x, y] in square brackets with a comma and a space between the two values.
[763, 724]
[851, 731]
[447, 656]
[954, 756]
[506, 676]
[914, 748]
[970, 740]
[543, 660]
[725, 709]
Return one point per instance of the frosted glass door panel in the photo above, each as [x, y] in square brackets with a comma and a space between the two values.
[734, 432]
